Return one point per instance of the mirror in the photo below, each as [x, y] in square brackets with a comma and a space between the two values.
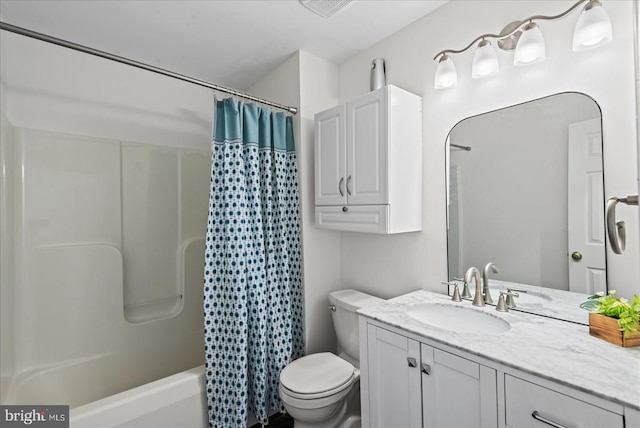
[526, 191]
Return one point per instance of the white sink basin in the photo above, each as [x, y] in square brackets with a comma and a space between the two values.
[458, 318]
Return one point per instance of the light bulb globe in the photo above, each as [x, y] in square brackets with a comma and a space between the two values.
[446, 74]
[531, 47]
[593, 28]
[485, 61]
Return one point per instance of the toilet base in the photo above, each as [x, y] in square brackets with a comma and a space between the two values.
[344, 413]
[352, 421]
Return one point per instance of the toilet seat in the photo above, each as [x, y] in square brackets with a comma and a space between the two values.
[317, 376]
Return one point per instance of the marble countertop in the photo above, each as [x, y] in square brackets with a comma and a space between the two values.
[560, 351]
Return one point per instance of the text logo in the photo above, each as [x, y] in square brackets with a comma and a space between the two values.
[34, 416]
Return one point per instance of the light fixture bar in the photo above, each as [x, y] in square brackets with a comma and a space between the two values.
[523, 23]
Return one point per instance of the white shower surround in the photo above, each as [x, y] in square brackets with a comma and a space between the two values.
[73, 329]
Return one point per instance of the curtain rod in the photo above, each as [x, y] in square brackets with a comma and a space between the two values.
[122, 60]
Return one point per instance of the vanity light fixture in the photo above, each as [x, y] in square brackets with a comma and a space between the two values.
[593, 29]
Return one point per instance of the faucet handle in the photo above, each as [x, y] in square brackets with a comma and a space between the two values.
[466, 294]
[456, 294]
[448, 284]
[510, 295]
[506, 303]
[502, 306]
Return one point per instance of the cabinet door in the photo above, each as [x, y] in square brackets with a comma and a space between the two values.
[330, 157]
[457, 392]
[367, 149]
[394, 379]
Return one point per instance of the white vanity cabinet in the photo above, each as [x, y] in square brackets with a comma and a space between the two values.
[368, 163]
[411, 384]
[410, 381]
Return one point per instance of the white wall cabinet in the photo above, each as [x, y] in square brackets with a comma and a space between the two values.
[368, 163]
[407, 381]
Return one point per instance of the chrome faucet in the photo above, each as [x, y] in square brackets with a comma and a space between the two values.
[485, 281]
[473, 272]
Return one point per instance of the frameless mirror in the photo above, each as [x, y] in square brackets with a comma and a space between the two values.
[526, 191]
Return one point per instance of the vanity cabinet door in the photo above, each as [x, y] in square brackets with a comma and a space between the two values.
[394, 380]
[457, 392]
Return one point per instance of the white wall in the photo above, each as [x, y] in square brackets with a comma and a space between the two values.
[391, 265]
[311, 83]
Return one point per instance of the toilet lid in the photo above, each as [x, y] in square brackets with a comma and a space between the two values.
[316, 373]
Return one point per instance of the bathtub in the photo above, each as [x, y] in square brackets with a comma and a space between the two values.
[177, 401]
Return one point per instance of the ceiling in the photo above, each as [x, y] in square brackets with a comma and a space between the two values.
[231, 43]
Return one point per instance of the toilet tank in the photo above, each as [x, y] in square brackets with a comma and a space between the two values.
[345, 319]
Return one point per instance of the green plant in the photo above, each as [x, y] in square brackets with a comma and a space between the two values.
[627, 313]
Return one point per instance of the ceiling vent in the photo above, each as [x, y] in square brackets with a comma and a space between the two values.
[325, 8]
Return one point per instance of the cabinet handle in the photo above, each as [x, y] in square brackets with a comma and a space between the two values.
[349, 185]
[535, 415]
[340, 186]
[412, 362]
[425, 368]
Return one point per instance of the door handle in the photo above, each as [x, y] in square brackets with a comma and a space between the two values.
[616, 230]
[576, 255]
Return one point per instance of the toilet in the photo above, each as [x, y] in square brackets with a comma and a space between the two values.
[323, 389]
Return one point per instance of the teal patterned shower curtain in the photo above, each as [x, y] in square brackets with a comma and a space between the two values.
[253, 281]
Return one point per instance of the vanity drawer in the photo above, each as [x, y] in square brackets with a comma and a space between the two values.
[523, 399]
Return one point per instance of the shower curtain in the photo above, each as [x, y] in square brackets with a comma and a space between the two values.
[253, 281]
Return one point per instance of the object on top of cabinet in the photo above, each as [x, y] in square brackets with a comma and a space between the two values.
[368, 163]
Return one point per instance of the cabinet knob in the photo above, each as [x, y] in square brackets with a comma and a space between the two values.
[425, 368]
[412, 362]
[345, 209]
